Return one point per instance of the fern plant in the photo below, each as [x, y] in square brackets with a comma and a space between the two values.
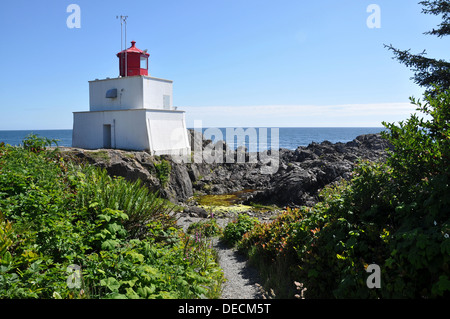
[134, 199]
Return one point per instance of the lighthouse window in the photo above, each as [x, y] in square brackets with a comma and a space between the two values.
[111, 94]
[144, 61]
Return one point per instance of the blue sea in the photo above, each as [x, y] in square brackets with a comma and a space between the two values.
[289, 137]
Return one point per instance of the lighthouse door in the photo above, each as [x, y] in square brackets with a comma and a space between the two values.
[107, 136]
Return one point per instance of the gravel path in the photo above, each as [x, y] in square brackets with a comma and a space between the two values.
[242, 280]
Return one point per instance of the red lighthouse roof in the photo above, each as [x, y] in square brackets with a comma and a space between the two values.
[133, 61]
[133, 49]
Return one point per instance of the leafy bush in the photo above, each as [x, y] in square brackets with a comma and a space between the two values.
[419, 243]
[56, 216]
[206, 228]
[152, 270]
[235, 229]
[394, 214]
[35, 143]
[163, 171]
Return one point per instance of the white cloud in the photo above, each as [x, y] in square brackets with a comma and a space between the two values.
[355, 115]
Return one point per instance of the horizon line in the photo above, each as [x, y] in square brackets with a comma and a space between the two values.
[70, 129]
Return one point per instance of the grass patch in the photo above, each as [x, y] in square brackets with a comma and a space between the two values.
[100, 156]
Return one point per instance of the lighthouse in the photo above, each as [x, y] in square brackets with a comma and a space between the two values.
[133, 111]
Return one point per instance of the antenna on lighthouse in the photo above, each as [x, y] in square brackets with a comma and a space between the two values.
[123, 21]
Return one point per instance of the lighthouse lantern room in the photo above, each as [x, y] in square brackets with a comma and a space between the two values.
[133, 61]
[133, 111]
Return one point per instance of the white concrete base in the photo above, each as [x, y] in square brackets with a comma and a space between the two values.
[160, 132]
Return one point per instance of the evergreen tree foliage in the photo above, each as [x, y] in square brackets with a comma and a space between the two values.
[429, 71]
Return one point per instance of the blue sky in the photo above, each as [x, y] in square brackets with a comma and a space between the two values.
[233, 62]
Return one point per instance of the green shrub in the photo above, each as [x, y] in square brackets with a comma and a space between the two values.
[145, 269]
[206, 228]
[163, 171]
[35, 143]
[419, 243]
[235, 229]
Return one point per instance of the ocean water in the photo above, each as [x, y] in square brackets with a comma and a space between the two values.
[289, 137]
[293, 137]
[15, 138]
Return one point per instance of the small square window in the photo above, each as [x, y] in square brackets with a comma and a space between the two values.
[144, 63]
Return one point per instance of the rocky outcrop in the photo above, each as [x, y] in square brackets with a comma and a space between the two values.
[305, 171]
[134, 165]
[294, 178]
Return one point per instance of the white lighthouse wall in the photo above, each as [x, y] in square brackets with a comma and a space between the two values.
[167, 132]
[129, 94]
[87, 130]
[154, 92]
[157, 131]
[134, 92]
[127, 130]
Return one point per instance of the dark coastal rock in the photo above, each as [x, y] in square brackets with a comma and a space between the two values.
[195, 211]
[301, 174]
[294, 179]
[311, 168]
[179, 186]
